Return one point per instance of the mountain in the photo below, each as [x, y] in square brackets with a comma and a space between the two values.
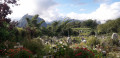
[23, 22]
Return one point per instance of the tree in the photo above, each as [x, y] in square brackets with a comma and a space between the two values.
[33, 27]
[33, 22]
[109, 26]
[5, 26]
[89, 24]
[5, 9]
[54, 27]
[64, 28]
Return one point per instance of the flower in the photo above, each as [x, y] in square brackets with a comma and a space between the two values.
[77, 48]
[12, 52]
[78, 54]
[64, 48]
[83, 53]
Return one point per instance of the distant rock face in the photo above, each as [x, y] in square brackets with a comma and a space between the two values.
[23, 21]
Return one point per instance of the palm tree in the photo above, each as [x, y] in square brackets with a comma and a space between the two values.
[63, 27]
[54, 27]
[33, 25]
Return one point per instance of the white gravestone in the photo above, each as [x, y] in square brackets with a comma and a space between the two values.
[18, 45]
[114, 36]
[69, 40]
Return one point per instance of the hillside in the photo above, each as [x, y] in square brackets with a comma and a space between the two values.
[23, 21]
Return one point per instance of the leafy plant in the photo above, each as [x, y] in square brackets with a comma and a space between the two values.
[92, 41]
[34, 45]
[19, 53]
[83, 53]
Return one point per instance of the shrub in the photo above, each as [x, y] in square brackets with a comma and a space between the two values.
[97, 54]
[34, 45]
[19, 53]
[48, 50]
[2, 49]
[61, 50]
[92, 41]
[83, 53]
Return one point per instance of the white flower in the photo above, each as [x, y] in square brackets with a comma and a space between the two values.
[60, 42]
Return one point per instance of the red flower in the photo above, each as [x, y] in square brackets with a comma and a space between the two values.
[88, 50]
[5, 53]
[74, 51]
[77, 48]
[0, 50]
[85, 48]
[78, 54]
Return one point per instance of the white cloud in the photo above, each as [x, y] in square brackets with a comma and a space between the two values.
[82, 9]
[104, 12]
[45, 8]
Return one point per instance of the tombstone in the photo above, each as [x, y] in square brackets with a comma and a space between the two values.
[69, 40]
[114, 36]
[95, 34]
[81, 31]
[55, 37]
[44, 56]
[84, 41]
[104, 53]
[103, 37]
[18, 45]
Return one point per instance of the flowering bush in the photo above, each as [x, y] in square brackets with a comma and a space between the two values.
[19, 53]
[60, 50]
[83, 53]
[34, 45]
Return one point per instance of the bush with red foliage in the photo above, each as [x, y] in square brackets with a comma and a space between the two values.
[83, 53]
[19, 52]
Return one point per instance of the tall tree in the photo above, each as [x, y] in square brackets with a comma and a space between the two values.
[4, 21]
[5, 9]
[33, 26]
[89, 23]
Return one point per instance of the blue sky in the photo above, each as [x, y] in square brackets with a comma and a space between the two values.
[51, 10]
[67, 6]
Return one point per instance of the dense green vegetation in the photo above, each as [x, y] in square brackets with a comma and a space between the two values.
[109, 27]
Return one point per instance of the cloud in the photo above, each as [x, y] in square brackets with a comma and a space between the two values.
[45, 8]
[104, 12]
